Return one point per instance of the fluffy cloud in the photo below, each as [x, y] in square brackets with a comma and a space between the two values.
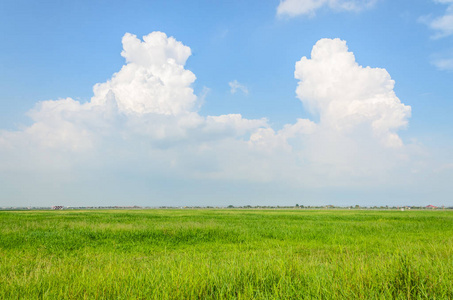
[347, 96]
[153, 80]
[149, 103]
[359, 116]
[294, 8]
[144, 123]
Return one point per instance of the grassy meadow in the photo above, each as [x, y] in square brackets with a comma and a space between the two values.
[226, 254]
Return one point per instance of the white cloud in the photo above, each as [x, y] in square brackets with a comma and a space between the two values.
[443, 62]
[153, 80]
[356, 140]
[235, 86]
[348, 96]
[294, 8]
[143, 123]
[149, 103]
[442, 25]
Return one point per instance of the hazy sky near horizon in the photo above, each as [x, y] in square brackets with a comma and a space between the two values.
[226, 102]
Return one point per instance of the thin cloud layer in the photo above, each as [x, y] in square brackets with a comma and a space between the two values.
[293, 8]
[144, 121]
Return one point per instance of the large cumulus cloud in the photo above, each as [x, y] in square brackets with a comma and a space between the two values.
[153, 80]
[359, 116]
[144, 122]
[346, 95]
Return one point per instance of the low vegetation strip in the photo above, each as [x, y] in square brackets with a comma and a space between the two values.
[226, 254]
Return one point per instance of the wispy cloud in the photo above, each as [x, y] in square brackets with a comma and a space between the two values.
[293, 8]
[443, 28]
[443, 63]
[236, 86]
[442, 25]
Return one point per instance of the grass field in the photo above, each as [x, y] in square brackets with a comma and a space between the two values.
[224, 254]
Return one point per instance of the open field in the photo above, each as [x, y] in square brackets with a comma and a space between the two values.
[218, 254]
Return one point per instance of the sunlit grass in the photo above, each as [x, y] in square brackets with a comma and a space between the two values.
[218, 254]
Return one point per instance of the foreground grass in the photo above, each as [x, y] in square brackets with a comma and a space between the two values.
[218, 254]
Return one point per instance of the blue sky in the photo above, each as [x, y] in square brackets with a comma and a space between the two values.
[55, 50]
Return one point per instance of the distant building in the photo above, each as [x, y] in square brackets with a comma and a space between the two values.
[57, 207]
[431, 206]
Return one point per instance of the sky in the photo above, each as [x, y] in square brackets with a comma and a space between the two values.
[309, 102]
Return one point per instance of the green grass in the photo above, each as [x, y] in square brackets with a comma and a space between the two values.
[226, 254]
